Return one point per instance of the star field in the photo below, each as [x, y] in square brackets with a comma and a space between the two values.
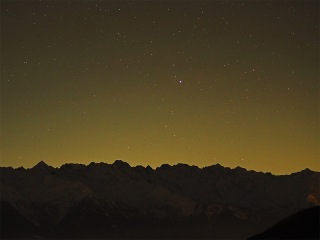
[153, 82]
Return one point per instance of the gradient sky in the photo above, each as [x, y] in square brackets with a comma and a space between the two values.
[152, 82]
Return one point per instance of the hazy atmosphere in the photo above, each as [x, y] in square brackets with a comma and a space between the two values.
[153, 82]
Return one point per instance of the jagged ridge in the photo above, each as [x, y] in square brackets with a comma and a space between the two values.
[117, 195]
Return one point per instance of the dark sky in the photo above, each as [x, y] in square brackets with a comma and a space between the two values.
[152, 82]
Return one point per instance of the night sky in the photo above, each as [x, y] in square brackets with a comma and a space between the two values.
[153, 82]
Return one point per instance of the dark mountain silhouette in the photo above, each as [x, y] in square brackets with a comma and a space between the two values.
[302, 225]
[119, 201]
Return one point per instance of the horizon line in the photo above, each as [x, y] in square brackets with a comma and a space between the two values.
[162, 165]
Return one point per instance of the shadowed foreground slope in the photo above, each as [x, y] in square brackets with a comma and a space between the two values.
[302, 225]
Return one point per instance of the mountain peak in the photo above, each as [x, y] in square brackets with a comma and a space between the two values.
[164, 166]
[149, 168]
[306, 171]
[121, 164]
[240, 169]
[41, 164]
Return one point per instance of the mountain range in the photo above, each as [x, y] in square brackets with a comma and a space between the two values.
[116, 200]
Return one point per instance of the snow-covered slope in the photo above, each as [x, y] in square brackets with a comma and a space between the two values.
[118, 194]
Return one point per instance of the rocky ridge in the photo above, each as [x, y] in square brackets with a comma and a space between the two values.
[108, 198]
